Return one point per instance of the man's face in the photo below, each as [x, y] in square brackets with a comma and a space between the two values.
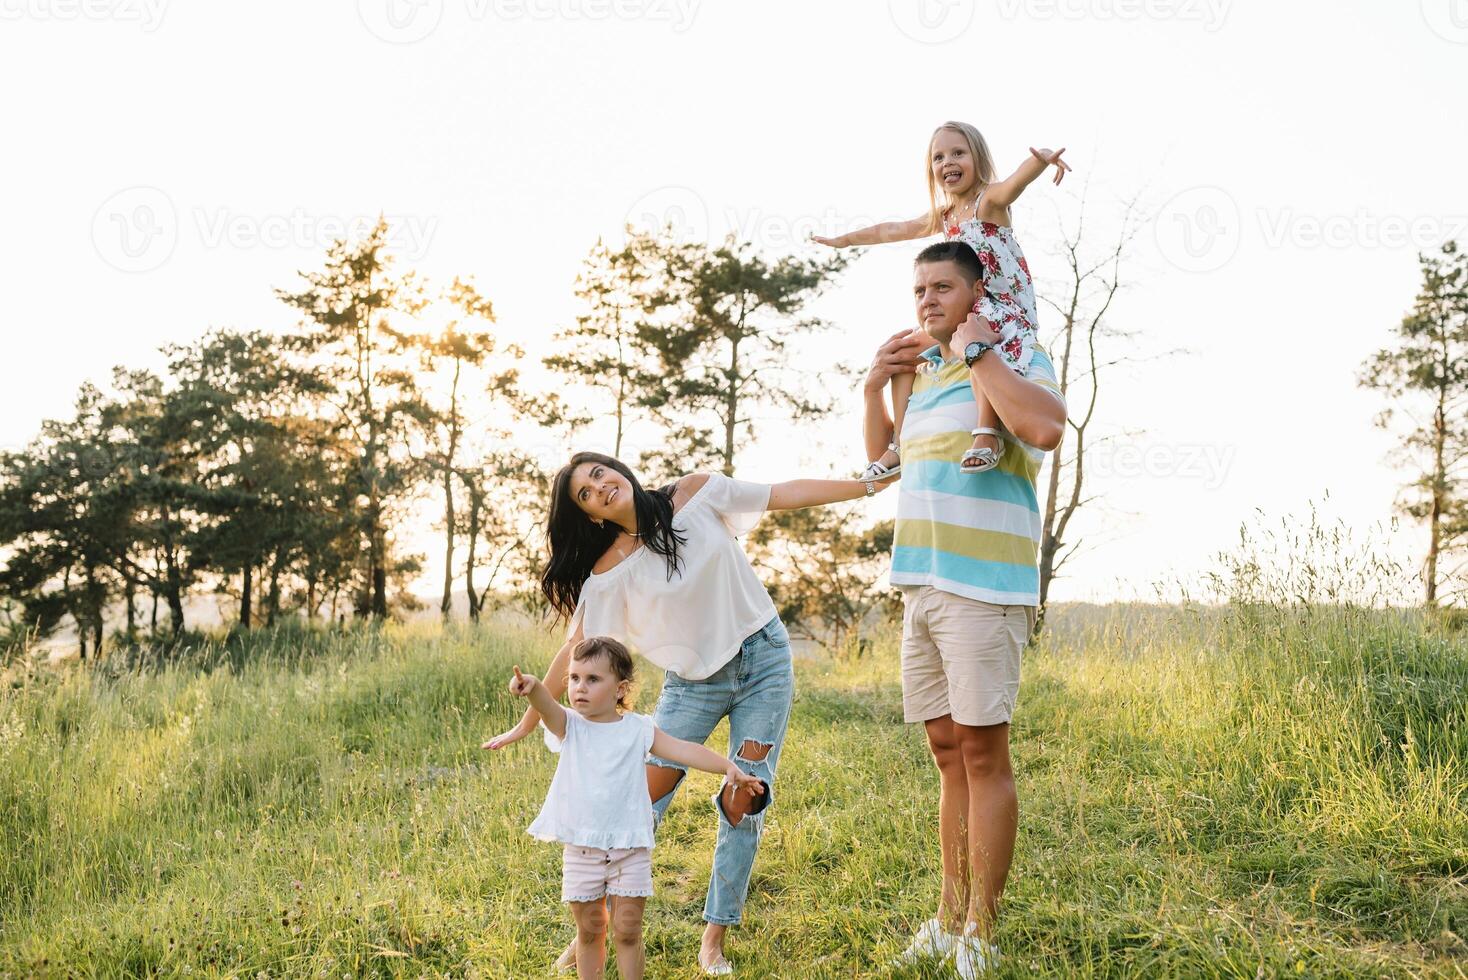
[944, 298]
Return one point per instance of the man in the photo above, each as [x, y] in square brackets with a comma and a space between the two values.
[964, 555]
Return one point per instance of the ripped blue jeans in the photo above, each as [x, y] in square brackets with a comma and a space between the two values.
[754, 690]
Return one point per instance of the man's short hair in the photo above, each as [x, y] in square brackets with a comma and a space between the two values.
[959, 253]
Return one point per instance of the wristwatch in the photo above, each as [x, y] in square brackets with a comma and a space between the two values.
[975, 350]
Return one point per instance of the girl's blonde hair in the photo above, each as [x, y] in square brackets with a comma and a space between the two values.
[938, 201]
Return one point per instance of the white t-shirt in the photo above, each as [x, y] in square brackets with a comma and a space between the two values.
[598, 796]
[694, 623]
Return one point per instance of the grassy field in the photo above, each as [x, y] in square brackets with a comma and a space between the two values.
[1253, 790]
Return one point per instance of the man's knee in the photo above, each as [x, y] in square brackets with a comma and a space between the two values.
[943, 743]
[985, 751]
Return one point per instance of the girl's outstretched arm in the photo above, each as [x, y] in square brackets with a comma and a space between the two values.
[528, 686]
[665, 746]
[887, 231]
[555, 683]
[1005, 192]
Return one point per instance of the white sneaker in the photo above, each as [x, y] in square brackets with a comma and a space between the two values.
[974, 956]
[929, 942]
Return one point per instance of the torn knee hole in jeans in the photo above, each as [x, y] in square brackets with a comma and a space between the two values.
[753, 751]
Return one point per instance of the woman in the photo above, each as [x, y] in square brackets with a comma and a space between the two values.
[661, 571]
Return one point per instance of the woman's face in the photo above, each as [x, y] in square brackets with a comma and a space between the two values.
[952, 163]
[601, 492]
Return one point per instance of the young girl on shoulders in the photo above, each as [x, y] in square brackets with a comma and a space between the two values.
[967, 203]
[598, 805]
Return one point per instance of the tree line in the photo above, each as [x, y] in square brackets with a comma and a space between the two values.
[278, 471]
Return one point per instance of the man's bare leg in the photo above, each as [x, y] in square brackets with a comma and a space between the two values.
[993, 819]
[953, 821]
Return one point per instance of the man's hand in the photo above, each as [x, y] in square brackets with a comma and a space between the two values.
[972, 329]
[897, 355]
[839, 242]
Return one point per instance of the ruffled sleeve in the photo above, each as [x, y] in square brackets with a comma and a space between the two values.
[738, 503]
[573, 721]
[601, 611]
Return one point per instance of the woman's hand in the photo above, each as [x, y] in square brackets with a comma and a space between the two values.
[1049, 157]
[837, 242]
[510, 737]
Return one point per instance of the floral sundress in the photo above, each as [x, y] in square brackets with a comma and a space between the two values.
[1008, 301]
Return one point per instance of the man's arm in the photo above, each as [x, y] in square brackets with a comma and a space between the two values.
[1034, 414]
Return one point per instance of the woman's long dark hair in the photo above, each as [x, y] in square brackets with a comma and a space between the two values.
[576, 542]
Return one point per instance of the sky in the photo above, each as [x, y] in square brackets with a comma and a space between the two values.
[171, 163]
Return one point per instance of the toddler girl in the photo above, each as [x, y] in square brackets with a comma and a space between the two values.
[598, 804]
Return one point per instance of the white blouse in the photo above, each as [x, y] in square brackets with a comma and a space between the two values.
[598, 796]
[693, 623]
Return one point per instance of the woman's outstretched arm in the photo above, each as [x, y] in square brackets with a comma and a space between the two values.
[795, 494]
[555, 684]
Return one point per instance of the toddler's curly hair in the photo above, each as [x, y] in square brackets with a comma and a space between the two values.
[618, 658]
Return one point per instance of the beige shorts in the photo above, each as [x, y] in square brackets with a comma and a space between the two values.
[589, 874]
[960, 657]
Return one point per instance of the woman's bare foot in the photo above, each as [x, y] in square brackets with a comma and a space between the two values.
[711, 952]
[566, 962]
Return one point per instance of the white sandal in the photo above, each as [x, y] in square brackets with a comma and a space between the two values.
[876, 471]
[986, 458]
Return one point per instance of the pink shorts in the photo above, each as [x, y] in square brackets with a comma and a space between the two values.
[589, 874]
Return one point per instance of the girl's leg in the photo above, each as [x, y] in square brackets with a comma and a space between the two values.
[757, 725]
[988, 419]
[627, 935]
[591, 939]
[901, 392]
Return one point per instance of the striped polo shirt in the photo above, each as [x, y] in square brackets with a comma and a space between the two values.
[971, 534]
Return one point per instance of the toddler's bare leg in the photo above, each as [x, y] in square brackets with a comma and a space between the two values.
[591, 938]
[627, 935]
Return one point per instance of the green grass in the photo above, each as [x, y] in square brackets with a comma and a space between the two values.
[1258, 790]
